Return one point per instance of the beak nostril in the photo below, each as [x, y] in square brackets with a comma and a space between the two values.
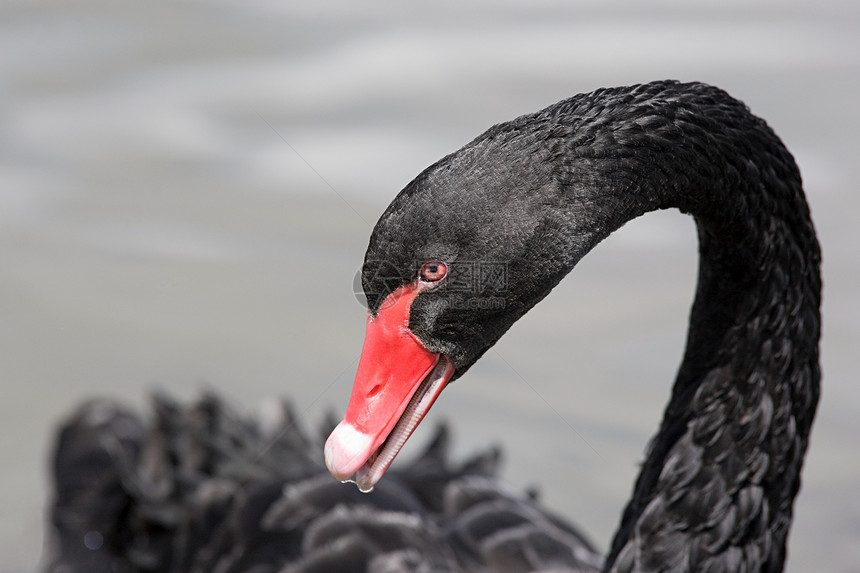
[374, 391]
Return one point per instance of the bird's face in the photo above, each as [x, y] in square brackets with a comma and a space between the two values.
[455, 260]
[429, 320]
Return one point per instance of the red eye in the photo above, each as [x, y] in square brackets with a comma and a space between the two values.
[433, 271]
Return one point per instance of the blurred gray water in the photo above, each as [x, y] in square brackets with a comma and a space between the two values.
[187, 188]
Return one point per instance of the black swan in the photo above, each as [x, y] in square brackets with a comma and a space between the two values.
[535, 195]
[200, 489]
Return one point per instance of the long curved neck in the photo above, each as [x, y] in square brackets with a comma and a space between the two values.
[716, 489]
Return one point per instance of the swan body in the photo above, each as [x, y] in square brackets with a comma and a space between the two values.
[199, 489]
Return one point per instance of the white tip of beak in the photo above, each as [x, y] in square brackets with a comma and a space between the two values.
[346, 450]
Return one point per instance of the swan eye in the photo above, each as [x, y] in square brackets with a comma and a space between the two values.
[433, 271]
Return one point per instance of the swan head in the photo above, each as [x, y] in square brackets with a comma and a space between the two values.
[461, 254]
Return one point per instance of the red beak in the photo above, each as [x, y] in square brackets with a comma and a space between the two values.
[396, 383]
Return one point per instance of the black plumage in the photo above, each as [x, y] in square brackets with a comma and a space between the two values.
[199, 488]
[533, 196]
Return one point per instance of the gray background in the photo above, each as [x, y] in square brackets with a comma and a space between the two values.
[187, 188]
